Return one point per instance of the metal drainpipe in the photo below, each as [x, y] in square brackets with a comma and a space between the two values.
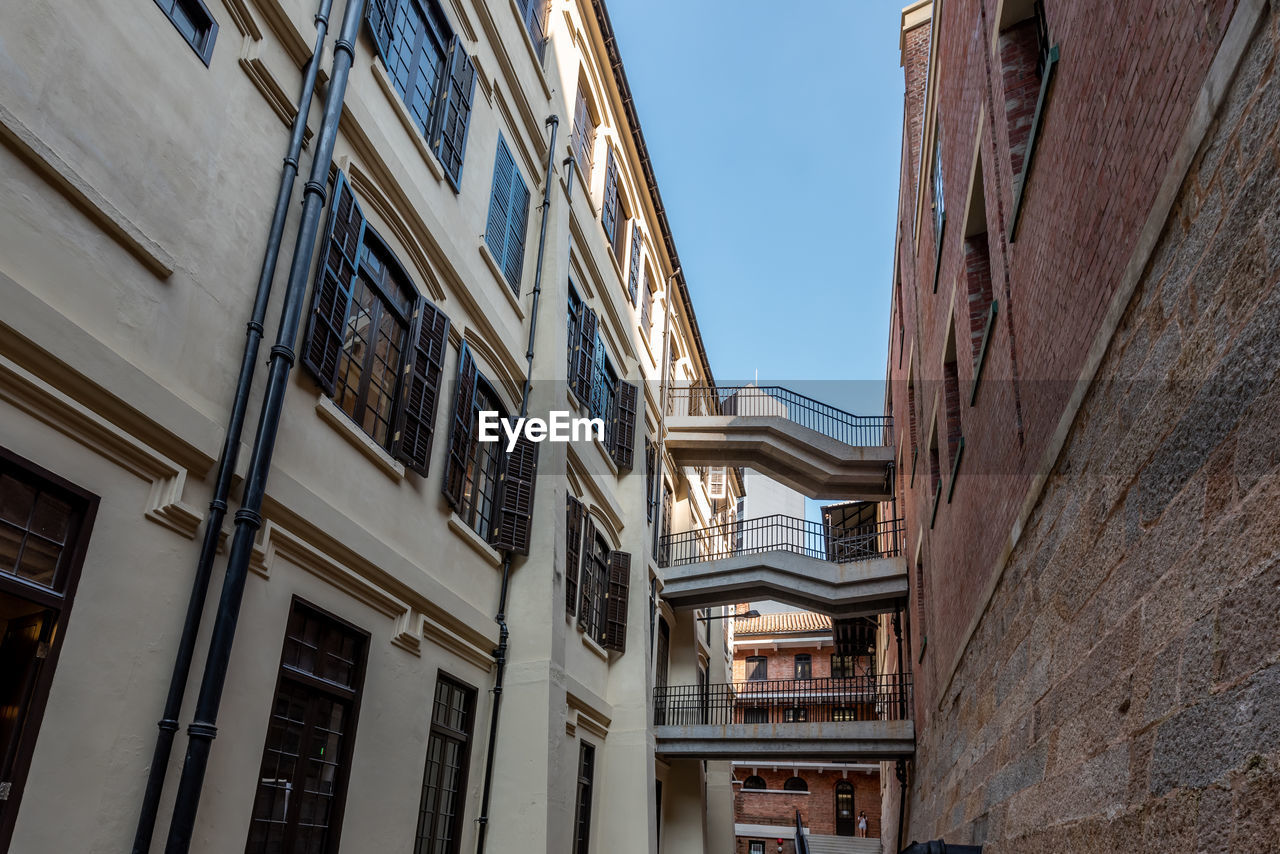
[168, 723]
[901, 770]
[500, 653]
[248, 518]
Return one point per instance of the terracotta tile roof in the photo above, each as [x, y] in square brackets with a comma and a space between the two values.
[793, 622]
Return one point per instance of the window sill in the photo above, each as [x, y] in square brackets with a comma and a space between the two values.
[477, 543]
[503, 284]
[595, 647]
[406, 119]
[349, 430]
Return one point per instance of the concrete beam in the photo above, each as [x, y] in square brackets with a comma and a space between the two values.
[859, 588]
[779, 742]
[805, 460]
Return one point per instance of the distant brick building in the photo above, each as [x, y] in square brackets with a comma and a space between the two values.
[1084, 340]
[792, 654]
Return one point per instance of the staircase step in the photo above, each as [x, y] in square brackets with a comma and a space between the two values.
[842, 845]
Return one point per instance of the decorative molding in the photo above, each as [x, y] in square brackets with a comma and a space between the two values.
[42, 401]
[272, 91]
[410, 621]
[532, 124]
[60, 175]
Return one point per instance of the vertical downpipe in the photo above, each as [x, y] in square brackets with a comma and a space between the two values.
[168, 723]
[248, 518]
[500, 653]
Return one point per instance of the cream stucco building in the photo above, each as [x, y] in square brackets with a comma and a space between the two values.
[412, 639]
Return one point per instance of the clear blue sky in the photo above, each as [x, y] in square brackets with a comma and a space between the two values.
[775, 140]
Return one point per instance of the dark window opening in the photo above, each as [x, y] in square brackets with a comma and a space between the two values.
[444, 781]
[303, 776]
[797, 714]
[195, 23]
[582, 816]
[595, 580]
[44, 532]
[753, 782]
[795, 784]
[755, 715]
[757, 668]
[804, 666]
[480, 482]
[372, 348]
[843, 667]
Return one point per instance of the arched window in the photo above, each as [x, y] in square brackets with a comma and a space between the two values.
[753, 782]
[795, 784]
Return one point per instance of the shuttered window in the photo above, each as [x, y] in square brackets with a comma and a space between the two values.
[489, 488]
[611, 215]
[534, 15]
[508, 216]
[646, 306]
[582, 343]
[650, 479]
[633, 264]
[582, 810]
[373, 343]
[302, 780]
[603, 579]
[623, 445]
[616, 599]
[431, 71]
[575, 518]
[444, 782]
[584, 134]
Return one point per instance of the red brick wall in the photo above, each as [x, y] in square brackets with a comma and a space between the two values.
[782, 663]
[1121, 65]
[817, 807]
[1020, 86]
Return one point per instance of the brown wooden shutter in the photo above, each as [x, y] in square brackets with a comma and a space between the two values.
[650, 477]
[455, 113]
[576, 515]
[615, 623]
[420, 388]
[584, 359]
[633, 265]
[586, 577]
[514, 503]
[331, 297]
[624, 429]
[462, 428]
[646, 306]
[609, 213]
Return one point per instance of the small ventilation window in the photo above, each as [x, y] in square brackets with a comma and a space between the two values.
[195, 23]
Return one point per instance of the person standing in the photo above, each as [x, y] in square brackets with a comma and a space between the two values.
[862, 823]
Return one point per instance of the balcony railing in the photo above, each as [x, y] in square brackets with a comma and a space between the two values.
[744, 400]
[783, 533]
[876, 697]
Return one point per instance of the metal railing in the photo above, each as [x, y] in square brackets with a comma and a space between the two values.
[783, 533]
[857, 430]
[875, 697]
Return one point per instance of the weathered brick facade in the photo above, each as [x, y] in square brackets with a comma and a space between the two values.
[1092, 621]
[817, 807]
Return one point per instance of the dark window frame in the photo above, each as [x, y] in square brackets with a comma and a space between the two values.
[201, 39]
[757, 669]
[477, 507]
[441, 730]
[583, 801]
[803, 663]
[754, 783]
[291, 676]
[394, 295]
[795, 784]
[60, 597]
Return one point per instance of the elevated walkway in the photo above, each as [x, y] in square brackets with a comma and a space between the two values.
[843, 572]
[816, 449]
[855, 719]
